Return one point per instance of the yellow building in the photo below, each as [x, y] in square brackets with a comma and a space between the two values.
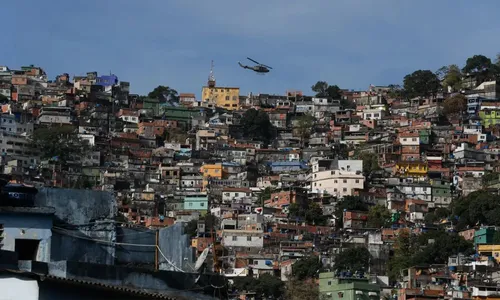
[211, 171]
[405, 168]
[224, 97]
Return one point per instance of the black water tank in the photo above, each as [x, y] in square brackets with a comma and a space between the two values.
[17, 195]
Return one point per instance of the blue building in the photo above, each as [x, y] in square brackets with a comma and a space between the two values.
[107, 80]
[197, 202]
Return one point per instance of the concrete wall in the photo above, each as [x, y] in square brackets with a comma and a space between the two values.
[28, 226]
[78, 206]
[16, 288]
[81, 245]
[135, 255]
[84, 224]
[176, 246]
[187, 285]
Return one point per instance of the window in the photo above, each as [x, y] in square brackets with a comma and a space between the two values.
[335, 181]
[329, 282]
[26, 249]
[345, 180]
[249, 238]
[227, 98]
[344, 189]
[234, 238]
[202, 204]
[236, 194]
[414, 139]
[357, 180]
[190, 204]
[10, 121]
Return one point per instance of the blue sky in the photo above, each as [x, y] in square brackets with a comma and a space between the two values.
[351, 43]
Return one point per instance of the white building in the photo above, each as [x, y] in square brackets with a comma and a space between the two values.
[245, 239]
[55, 115]
[230, 195]
[337, 182]
[373, 114]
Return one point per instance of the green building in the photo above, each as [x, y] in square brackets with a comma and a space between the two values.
[441, 192]
[489, 118]
[484, 236]
[182, 115]
[152, 105]
[424, 136]
[349, 288]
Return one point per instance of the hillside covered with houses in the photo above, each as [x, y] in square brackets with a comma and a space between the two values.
[390, 192]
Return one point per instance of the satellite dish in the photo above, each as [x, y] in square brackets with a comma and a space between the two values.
[201, 259]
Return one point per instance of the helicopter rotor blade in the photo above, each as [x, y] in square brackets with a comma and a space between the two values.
[266, 66]
[253, 60]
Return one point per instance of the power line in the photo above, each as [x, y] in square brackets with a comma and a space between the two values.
[65, 231]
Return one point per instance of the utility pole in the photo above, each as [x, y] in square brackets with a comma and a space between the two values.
[157, 235]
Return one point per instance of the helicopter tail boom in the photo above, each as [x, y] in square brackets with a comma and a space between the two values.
[243, 66]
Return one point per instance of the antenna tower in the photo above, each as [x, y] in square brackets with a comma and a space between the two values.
[211, 77]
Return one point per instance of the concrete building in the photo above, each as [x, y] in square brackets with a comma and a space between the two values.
[230, 194]
[55, 115]
[225, 97]
[27, 231]
[244, 239]
[337, 182]
[348, 288]
[196, 202]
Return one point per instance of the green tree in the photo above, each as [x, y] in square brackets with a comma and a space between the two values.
[191, 228]
[162, 92]
[311, 213]
[266, 194]
[256, 125]
[370, 162]
[379, 216]
[395, 91]
[450, 76]
[314, 215]
[437, 215]
[405, 246]
[433, 247]
[481, 67]
[421, 83]
[455, 106]
[301, 290]
[479, 207]
[437, 246]
[266, 285]
[304, 127]
[348, 203]
[496, 238]
[477, 64]
[352, 259]
[306, 268]
[323, 89]
[60, 144]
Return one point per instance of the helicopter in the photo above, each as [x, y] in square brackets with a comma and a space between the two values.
[259, 68]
